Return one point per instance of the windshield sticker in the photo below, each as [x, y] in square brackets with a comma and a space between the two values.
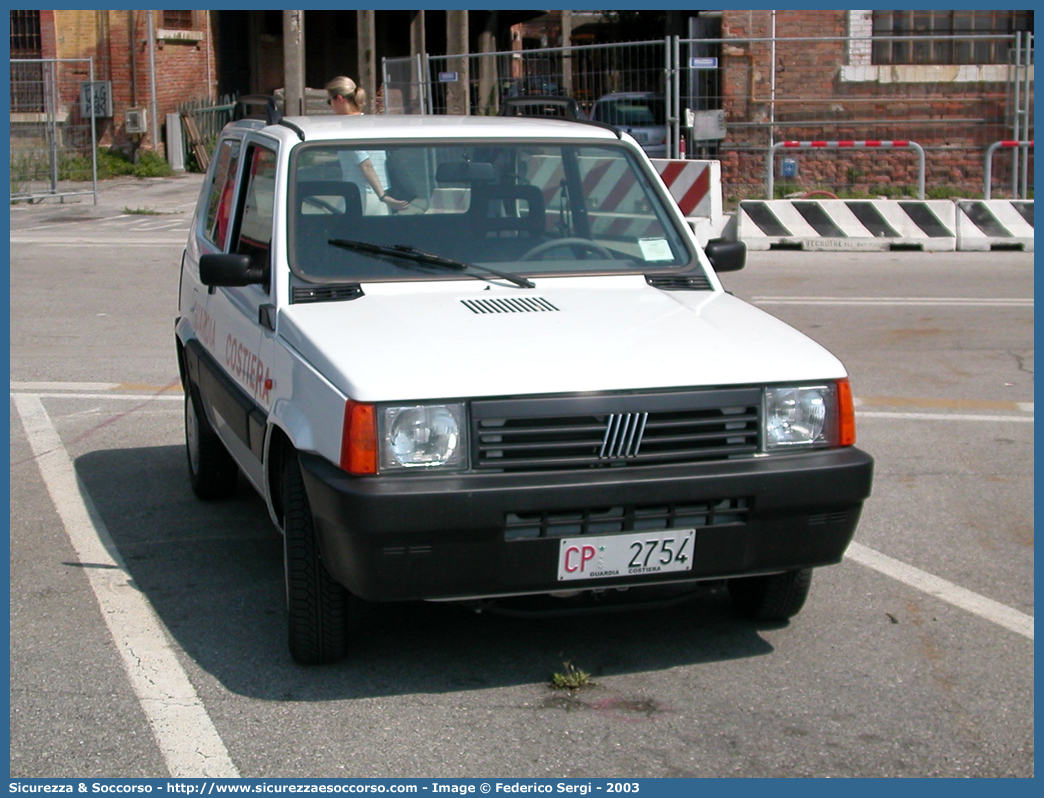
[655, 249]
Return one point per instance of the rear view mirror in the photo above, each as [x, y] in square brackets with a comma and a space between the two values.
[229, 270]
[465, 172]
[726, 256]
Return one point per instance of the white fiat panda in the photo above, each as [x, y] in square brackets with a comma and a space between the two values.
[481, 358]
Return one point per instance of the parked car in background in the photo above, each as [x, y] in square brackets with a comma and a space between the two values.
[543, 106]
[641, 114]
[533, 85]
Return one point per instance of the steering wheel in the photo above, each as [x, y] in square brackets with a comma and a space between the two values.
[318, 202]
[578, 244]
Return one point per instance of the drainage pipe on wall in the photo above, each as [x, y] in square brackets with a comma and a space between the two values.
[154, 127]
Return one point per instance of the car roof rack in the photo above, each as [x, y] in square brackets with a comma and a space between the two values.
[602, 125]
[267, 110]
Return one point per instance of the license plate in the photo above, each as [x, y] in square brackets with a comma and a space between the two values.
[641, 138]
[635, 554]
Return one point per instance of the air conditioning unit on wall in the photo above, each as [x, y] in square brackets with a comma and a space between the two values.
[135, 121]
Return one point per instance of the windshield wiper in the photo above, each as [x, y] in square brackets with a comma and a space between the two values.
[427, 258]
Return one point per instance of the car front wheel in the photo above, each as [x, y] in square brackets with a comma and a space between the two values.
[317, 606]
[775, 597]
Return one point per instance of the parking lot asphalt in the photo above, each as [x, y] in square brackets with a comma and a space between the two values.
[902, 664]
[115, 197]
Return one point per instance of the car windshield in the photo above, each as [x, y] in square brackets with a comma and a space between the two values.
[521, 208]
[630, 111]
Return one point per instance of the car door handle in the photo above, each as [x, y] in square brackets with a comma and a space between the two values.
[265, 318]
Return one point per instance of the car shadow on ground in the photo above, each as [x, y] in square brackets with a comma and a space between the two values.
[213, 574]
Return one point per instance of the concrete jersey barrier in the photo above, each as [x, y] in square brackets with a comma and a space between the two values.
[983, 225]
[858, 225]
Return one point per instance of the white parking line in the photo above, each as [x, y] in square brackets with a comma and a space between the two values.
[64, 386]
[80, 241]
[861, 414]
[178, 397]
[186, 736]
[894, 301]
[991, 610]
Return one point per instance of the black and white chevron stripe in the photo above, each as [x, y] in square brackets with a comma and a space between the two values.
[983, 225]
[869, 225]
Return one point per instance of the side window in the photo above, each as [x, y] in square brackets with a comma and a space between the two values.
[254, 237]
[219, 203]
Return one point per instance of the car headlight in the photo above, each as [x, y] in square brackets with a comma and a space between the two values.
[805, 416]
[422, 436]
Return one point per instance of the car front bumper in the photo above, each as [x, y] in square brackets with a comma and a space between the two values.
[433, 536]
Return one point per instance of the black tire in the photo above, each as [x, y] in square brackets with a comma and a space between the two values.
[775, 597]
[317, 606]
[212, 471]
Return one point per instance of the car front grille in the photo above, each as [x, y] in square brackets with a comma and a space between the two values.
[636, 518]
[615, 430]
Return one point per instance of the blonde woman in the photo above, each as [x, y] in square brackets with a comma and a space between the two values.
[367, 169]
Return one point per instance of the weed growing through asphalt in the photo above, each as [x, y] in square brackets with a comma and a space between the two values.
[572, 679]
[141, 211]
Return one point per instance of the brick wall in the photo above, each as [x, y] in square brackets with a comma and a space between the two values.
[48, 48]
[831, 90]
[75, 33]
[185, 63]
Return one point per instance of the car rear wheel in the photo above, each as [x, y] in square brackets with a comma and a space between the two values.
[317, 606]
[775, 597]
[212, 471]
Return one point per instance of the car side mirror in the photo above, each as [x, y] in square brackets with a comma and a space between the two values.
[229, 270]
[726, 256]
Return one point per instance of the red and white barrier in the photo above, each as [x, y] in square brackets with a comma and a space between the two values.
[696, 188]
[695, 185]
[618, 206]
[988, 169]
[865, 144]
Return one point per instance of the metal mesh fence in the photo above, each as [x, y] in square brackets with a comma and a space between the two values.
[405, 87]
[735, 100]
[776, 90]
[53, 129]
[477, 83]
